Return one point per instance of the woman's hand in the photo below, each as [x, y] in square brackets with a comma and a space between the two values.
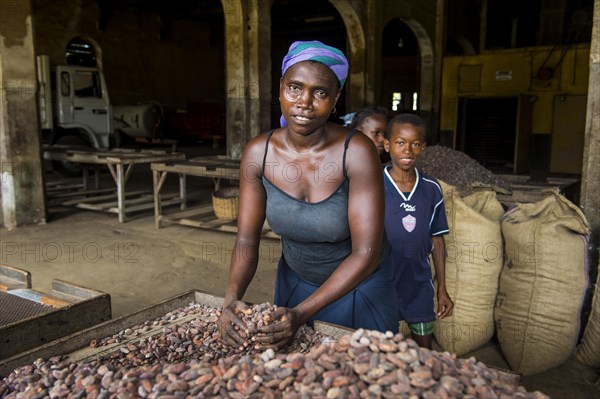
[279, 334]
[232, 330]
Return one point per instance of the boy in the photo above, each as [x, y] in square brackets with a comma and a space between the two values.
[415, 222]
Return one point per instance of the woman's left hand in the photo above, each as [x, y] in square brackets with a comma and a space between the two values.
[445, 305]
[279, 334]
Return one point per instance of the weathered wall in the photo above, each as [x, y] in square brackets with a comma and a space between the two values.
[570, 78]
[182, 67]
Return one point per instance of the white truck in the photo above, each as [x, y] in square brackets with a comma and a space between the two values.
[75, 109]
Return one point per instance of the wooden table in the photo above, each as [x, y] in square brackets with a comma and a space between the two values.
[217, 168]
[120, 163]
[526, 190]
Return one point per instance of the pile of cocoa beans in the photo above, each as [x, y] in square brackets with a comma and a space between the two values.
[364, 364]
[457, 168]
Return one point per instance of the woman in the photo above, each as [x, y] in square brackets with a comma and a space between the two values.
[321, 189]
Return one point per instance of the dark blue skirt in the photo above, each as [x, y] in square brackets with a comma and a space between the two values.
[371, 305]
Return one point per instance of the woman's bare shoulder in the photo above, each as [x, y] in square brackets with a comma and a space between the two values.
[359, 142]
[361, 152]
[255, 148]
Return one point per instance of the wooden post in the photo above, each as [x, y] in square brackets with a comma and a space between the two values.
[21, 175]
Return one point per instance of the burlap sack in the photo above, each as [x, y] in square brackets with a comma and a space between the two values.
[542, 284]
[475, 256]
[588, 351]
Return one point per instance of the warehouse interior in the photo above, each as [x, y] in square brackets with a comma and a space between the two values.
[513, 86]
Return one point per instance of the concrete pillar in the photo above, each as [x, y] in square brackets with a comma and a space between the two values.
[590, 174]
[21, 181]
[482, 25]
[237, 75]
[373, 51]
[259, 64]
[356, 87]
[438, 54]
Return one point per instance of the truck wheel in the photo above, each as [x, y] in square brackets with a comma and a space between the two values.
[66, 168]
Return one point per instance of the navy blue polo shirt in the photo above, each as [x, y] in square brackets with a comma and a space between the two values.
[411, 219]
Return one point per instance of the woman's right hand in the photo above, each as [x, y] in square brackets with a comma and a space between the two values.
[279, 334]
[232, 330]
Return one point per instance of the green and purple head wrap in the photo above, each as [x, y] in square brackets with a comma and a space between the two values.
[316, 51]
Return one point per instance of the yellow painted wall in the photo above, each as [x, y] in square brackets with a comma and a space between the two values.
[570, 77]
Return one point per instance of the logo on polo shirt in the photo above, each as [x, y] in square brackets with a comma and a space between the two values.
[408, 207]
[409, 222]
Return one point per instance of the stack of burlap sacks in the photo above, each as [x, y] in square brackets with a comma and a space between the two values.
[521, 274]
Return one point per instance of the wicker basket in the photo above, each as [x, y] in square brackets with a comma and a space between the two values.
[225, 203]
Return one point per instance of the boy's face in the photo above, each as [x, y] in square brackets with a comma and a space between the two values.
[405, 145]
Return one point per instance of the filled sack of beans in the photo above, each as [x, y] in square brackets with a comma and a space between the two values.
[588, 351]
[542, 284]
[475, 256]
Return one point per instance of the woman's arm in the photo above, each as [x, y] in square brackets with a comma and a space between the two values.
[251, 217]
[244, 259]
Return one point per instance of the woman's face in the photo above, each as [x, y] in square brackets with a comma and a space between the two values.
[308, 93]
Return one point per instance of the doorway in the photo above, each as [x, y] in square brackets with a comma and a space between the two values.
[400, 72]
[568, 133]
[487, 131]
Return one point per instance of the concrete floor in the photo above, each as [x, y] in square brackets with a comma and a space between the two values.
[139, 265]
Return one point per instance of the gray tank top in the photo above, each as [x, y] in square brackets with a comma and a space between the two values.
[315, 236]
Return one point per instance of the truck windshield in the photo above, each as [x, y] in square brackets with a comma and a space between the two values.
[86, 84]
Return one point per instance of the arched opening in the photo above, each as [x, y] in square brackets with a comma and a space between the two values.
[294, 20]
[83, 51]
[459, 45]
[407, 69]
[400, 70]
